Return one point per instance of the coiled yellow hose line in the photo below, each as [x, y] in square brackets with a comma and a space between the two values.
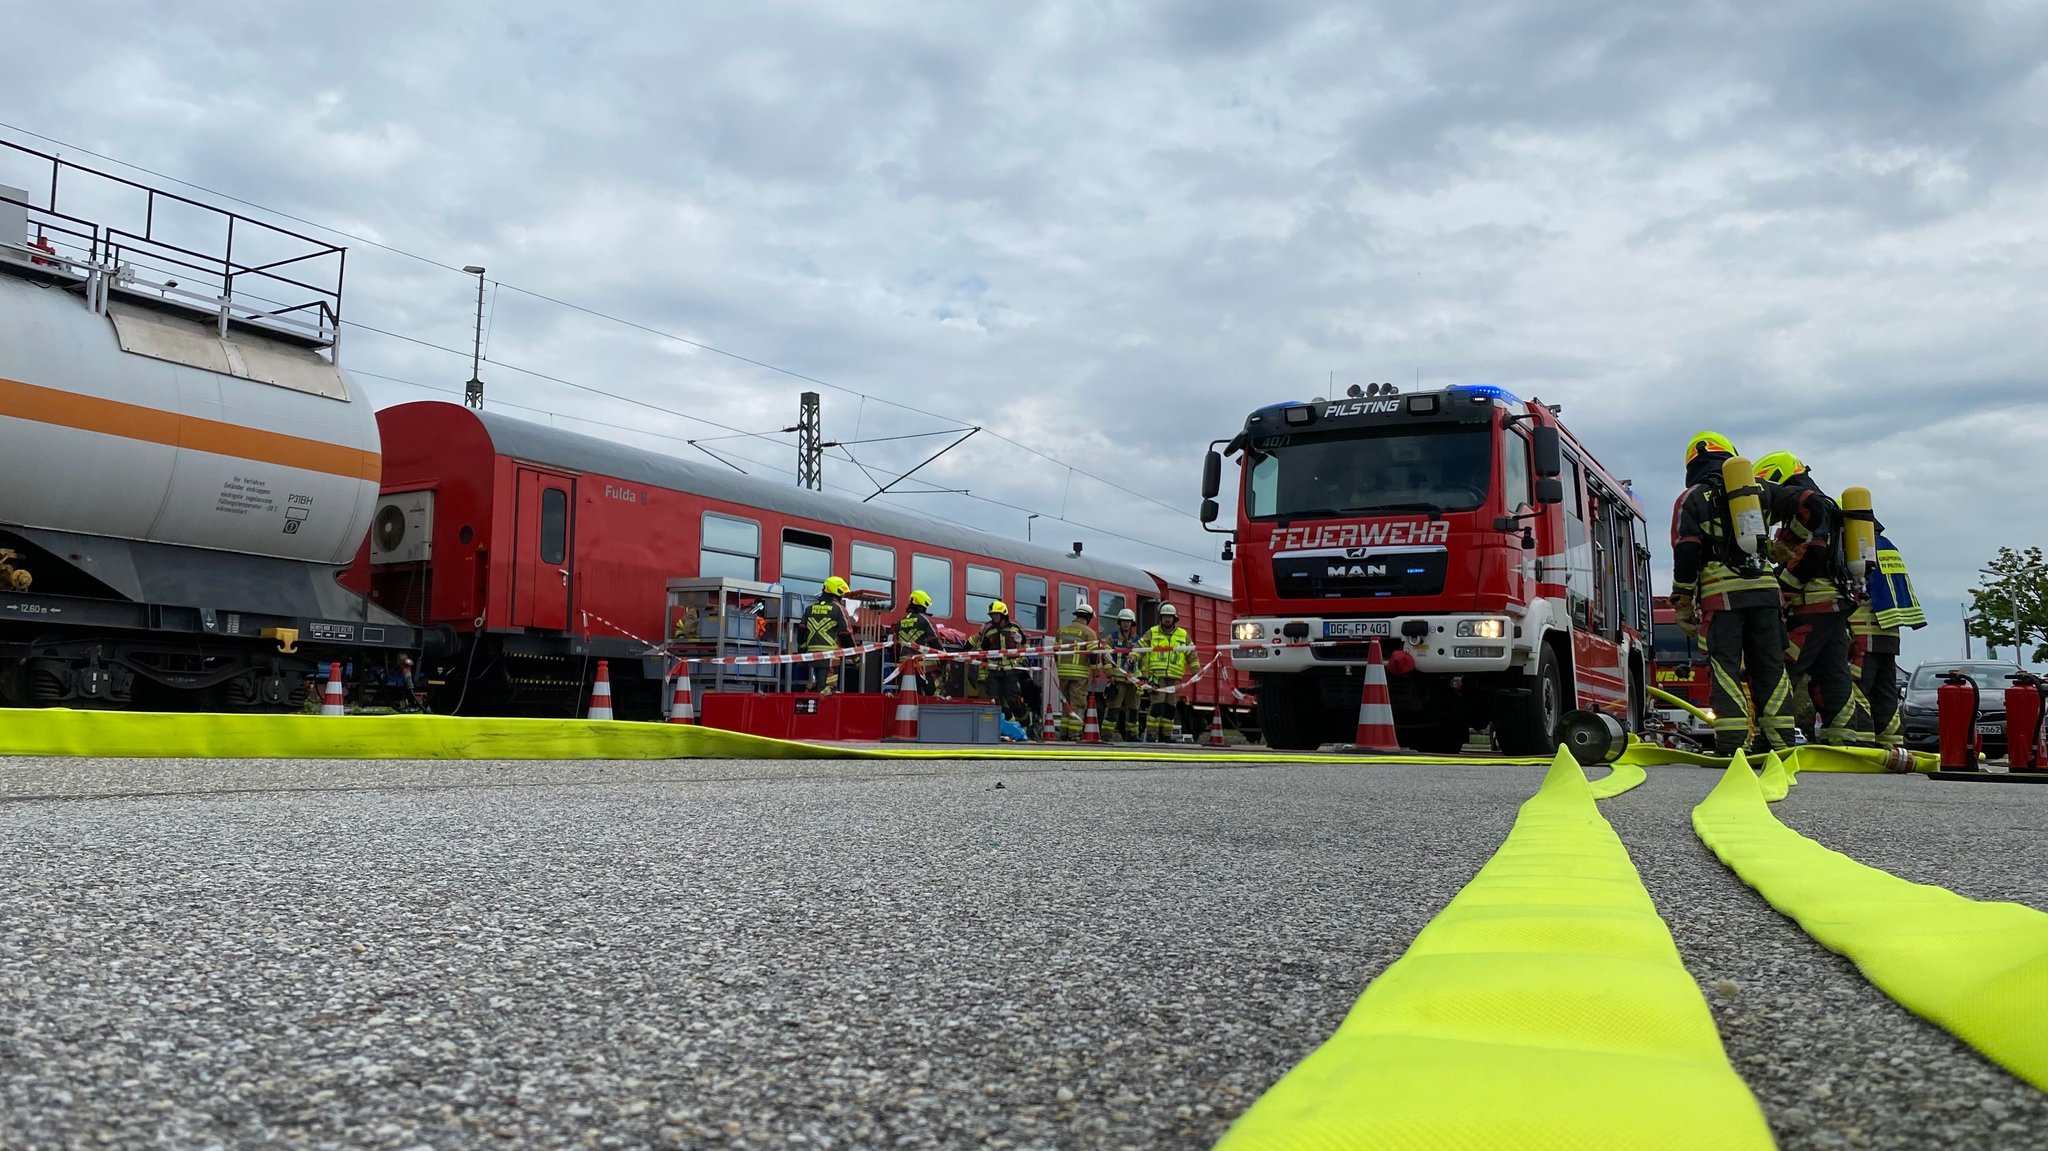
[1545, 1007]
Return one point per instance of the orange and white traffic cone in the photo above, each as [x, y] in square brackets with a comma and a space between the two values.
[1376, 709]
[905, 727]
[601, 692]
[1216, 727]
[332, 703]
[1091, 727]
[683, 709]
[1049, 732]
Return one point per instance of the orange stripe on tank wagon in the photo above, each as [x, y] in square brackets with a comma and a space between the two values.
[157, 426]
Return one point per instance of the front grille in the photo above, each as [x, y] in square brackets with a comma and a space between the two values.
[1344, 652]
[1336, 575]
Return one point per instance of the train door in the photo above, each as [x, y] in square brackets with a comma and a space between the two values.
[540, 573]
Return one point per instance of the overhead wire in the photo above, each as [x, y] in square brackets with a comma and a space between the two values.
[928, 488]
[599, 314]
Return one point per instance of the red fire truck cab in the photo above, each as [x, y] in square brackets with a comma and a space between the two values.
[1681, 669]
[1461, 526]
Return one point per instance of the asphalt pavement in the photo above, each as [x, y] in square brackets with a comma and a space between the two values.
[857, 953]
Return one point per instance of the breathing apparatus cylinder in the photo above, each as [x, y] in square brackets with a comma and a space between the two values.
[1745, 505]
[1859, 532]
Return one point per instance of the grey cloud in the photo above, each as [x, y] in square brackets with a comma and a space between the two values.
[1111, 233]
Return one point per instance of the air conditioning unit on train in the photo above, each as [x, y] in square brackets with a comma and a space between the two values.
[402, 531]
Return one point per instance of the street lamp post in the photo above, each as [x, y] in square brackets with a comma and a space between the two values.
[473, 392]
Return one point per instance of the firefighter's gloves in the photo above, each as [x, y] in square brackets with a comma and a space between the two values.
[1687, 614]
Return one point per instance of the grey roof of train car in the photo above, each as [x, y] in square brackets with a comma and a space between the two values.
[575, 451]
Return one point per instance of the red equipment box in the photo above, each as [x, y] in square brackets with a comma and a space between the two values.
[797, 715]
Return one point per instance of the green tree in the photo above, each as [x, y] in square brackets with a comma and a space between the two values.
[2013, 574]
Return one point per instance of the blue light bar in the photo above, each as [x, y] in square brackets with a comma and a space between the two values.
[1491, 392]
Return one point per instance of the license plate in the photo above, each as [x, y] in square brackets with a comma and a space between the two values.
[1350, 628]
[1995, 728]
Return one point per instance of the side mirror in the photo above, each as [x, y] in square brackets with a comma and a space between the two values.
[1209, 511]
[1549, 490]
[1506, 523]
[1212, 477]
[1549, 450]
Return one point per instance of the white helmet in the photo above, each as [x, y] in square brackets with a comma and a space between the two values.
[1081, 608]
[1169, 609]
[1127, 616]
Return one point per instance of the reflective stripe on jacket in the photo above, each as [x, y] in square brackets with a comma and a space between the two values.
[1891, 590]
[1077, 664]
[825, 627]
[1158, 661]
[915, 628]
[1704, 556]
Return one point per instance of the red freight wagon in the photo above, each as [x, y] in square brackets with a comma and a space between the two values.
[531, 552]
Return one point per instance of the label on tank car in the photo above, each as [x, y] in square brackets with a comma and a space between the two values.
[340, 631]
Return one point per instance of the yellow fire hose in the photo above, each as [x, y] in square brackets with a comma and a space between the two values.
[1667, 697]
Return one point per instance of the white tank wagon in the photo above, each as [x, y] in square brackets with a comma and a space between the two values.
[184, 468]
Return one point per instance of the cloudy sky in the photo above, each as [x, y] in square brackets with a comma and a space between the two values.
[1107, 230]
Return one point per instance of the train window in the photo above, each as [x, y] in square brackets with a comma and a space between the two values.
[935, 577]
[731, 548]
[874, 569]
[554, 525]
[1105, 612]
[1027, 607]
[806, 561]
[984, 587]
[1070, 594]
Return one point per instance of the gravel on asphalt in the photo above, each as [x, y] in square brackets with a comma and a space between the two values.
[846, 957]
[1835, 1062]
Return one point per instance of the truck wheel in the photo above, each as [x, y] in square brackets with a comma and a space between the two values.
[1290, 713]
[1526, 724]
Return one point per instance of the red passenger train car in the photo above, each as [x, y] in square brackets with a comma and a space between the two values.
[532, 552]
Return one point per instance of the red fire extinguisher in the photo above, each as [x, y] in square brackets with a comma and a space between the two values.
[2024, 705]
[1955, 704]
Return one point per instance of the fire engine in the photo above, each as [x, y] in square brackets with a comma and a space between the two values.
[1680, 667]
[1503, 570]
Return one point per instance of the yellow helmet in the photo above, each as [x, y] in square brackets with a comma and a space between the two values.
[1779, 467]
[1702, 442]
[998, 607]
[920, 599]
[835, 586]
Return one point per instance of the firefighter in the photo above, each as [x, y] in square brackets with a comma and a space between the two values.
[1721, 592]
[1888, 607]
[1163, 665]
[916, 630]
[1813, 580]
[1077, 659]
[826, 629]
[1123, 687]
[1004, 680]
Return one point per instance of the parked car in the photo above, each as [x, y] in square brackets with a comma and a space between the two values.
[1917, 723]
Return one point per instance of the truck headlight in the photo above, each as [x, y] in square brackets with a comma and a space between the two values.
[1482, 628]
[1246, 632]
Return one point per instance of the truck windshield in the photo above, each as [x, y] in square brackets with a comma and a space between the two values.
[1673, 647]
[1428, 467]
